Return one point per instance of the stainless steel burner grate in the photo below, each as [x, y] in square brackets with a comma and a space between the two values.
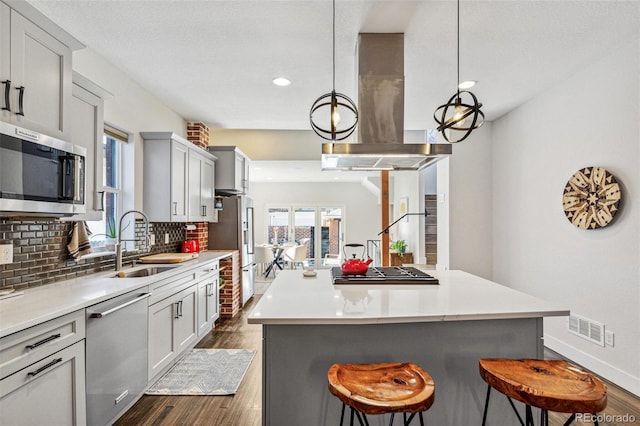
[385, 275]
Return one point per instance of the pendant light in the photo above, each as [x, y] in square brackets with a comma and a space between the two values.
[334, 104]
[462, 111]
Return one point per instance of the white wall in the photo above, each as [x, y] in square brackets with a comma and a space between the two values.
[131, 109]
[362, 211]
[591, 119]
[464, 206]
[407, 184]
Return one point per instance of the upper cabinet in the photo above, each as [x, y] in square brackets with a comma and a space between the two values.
[201, 192]
[171, 162]
[87, 130]
[232, 170]
[35, 71]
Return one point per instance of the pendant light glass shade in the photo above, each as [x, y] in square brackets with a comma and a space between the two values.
[462, 111]
[332, 106]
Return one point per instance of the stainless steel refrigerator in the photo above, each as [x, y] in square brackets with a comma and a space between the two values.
[234, 231]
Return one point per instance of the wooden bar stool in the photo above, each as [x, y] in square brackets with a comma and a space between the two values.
[551, 385]
[382, 388]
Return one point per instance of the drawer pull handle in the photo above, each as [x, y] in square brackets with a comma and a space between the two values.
[7, 101]
[210, 290]
[44, 367]
[117, 308]
[20, 100]
[43, 341]
[101, 209]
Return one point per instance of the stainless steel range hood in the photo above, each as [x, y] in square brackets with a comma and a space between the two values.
[381, 114]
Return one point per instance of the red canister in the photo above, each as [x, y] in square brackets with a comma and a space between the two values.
[190, 246]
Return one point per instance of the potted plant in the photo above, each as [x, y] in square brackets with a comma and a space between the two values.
[399, 246]
[111, 235]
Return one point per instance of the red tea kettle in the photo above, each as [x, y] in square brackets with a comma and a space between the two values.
[354, 266]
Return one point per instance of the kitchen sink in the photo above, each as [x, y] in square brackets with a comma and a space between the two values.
[143, 272]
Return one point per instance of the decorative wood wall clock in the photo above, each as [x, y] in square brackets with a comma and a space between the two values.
[591, 198]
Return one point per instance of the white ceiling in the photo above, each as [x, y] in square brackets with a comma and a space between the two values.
[213, 61]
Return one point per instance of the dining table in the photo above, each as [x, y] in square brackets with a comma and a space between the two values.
[278, 261]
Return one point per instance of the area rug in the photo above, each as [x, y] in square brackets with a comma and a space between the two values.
[205, 372]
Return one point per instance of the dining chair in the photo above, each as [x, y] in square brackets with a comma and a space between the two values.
[264, 257]
[295, 255]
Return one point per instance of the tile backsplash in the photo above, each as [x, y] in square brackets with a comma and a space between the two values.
[40, 253]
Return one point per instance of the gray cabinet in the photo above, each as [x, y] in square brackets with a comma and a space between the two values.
[43, 374]
[166, 166]
[172, 328]
[35, 70]
[201, 192]
[190, 179]
[232, 170]
[87, 130]
[208, 299]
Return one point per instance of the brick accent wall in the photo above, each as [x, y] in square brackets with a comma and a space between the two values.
[201, 233]
[198, 133]
[40, 254]
[231, 292]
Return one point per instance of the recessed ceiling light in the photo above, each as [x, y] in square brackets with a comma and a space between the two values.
[281, 81]
[467, 84]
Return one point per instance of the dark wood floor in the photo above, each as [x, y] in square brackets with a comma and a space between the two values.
[244, 408]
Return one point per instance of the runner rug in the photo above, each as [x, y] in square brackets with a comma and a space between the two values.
[205, 372]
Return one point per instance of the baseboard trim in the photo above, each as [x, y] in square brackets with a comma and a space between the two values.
[607, 371]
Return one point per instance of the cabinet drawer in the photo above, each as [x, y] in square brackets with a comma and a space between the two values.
[49, 392]
[165, 288]
[25, 347]
[208, 270]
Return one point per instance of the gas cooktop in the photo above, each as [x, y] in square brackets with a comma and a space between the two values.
[385, 275]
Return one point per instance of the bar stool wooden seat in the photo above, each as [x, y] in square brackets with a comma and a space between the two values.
[551, 385]
[382, 388]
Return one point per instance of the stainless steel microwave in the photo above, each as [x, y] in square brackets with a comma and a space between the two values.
[40, 174]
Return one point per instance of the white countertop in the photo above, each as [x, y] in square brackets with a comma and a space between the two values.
[50, 301]
[294, 299]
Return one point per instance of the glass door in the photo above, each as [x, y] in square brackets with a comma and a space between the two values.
[304, 230]
[321, 229]
[331, 233]
[278, 225]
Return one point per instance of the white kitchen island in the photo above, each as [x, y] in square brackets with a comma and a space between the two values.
[309, 324]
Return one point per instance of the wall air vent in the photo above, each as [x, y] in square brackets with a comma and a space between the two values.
[587, 329]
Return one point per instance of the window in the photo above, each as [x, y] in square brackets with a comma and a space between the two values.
[105, 231]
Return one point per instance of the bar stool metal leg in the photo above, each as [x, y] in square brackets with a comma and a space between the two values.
[528, 415]
[515, 410]
[486, 406]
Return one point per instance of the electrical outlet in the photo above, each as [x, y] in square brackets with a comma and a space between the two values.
[152, 239]
[166, 238]
[608, 338]
[6, 253]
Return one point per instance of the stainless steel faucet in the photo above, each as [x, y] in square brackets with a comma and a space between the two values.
[147, 237]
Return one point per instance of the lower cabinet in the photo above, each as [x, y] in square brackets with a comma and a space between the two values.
[42, 371]
[172, 328]
[208, 304]
[48, 392]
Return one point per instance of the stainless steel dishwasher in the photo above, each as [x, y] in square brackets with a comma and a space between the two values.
[116, 355]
